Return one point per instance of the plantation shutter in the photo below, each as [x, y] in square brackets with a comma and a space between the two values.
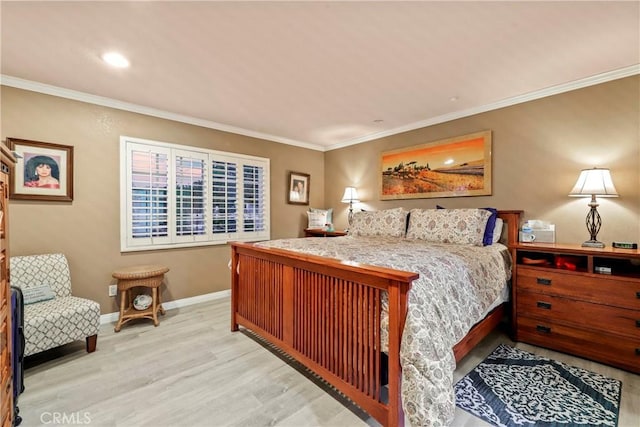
[147, 205]
[174, 196]
[191, 180]
[224, 197]
[254, 198]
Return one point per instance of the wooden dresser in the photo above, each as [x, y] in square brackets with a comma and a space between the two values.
[6, 371]
[582, 301]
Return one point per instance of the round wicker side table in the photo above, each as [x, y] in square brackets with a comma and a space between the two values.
[140, 276]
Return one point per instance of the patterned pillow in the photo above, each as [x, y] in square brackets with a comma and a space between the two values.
[460, 226]
[388, 223]
[317, 219]
[488, 238]
[328, 212]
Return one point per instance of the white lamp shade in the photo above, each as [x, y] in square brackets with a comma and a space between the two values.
[350, 195]
[594, 182]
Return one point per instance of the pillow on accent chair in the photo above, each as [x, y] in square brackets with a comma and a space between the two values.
[37, 293]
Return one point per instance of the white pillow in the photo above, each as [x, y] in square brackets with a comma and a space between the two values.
[497, 230]
[328, 212]
[317, 219]
[459, 226]
[388, 223]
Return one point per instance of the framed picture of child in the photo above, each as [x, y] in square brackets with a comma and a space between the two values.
[298, 188]
[44, 171]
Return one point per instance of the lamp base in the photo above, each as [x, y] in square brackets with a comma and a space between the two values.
[593, 244]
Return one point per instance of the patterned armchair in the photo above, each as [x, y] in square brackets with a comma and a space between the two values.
[64, 318]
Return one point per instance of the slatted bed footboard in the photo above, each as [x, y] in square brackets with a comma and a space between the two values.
[327, 315]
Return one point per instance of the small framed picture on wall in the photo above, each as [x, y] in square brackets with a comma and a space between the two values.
[44, 171]
[298, 188]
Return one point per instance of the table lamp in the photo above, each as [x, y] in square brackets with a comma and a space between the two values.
[594, 182]
[350, 196]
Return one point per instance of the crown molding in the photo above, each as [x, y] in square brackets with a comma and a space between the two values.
[531, 96]
[46, 89]
[126, 106]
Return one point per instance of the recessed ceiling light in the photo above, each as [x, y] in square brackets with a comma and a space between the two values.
[378, 121]
[453, 99]
[115, 60]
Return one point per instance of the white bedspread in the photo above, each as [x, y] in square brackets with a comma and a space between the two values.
[457, 285]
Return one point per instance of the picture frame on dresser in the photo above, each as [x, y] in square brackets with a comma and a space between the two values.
[43, 171]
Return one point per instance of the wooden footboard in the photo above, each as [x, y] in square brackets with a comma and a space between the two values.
[326, 314]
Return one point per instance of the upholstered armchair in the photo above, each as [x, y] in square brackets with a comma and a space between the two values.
[52, 316]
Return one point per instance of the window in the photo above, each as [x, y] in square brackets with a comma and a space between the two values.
[177, 196]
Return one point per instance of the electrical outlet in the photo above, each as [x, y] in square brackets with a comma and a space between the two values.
[113, 290]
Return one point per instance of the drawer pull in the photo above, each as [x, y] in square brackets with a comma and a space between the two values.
[637, 351]
[547, 282]
[547, 306]
[547, 330]
[637, 323]
[638, 294]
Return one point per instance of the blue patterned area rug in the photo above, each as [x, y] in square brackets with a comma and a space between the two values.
[512, 387]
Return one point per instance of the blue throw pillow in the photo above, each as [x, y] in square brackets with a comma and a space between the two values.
[487, 239]
[491, 225]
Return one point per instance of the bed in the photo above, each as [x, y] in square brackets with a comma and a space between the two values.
[340, 308]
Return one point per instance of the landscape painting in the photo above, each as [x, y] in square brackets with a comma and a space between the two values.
[453, 167]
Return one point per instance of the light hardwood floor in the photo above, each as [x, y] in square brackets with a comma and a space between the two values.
[192, 371]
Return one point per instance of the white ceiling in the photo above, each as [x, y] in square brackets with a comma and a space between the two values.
[317, 74]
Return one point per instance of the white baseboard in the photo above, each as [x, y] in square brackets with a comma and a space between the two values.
[184, 302]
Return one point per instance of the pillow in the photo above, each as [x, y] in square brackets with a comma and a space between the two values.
[328, 212]
[487, 239]
[37, 293]
[387, 223]
[497, 231]
[460, 226]
[317, 219]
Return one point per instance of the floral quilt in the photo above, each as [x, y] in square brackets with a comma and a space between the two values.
[457, 284]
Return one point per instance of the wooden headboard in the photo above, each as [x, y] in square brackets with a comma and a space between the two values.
[512, 220]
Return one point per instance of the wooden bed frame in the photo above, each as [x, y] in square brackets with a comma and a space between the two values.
[325, 313]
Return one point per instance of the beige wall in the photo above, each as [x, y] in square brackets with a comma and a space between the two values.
[87, 230]
[539, 148]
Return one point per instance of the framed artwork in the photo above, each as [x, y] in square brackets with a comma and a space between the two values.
[452, 167]
[44, 171]
[298, 188]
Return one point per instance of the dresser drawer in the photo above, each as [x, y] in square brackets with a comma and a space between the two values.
[612, 350]
[582, 314]
[594, 288]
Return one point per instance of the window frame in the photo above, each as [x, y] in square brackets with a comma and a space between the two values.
[129, 244]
